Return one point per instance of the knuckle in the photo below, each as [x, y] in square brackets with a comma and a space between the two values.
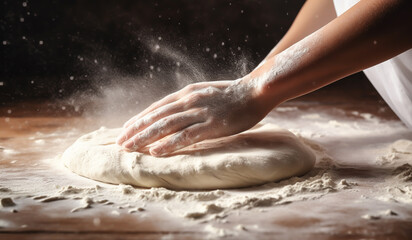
[190, 87]
[211, 119]
[136, 125]
[210, 90]
[196, 96]
[163, 123]
[192, 99]
[169, 121]
[205, 111]
[185, 135]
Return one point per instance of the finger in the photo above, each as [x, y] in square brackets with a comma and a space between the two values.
[188, 136]
[166, 100]
[145, 121]
[164, 127]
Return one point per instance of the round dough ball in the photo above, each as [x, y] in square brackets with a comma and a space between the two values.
[262, 154]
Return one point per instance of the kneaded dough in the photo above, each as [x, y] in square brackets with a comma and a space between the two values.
[263, 154]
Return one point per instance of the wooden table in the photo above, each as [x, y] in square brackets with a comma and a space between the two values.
[334, 216]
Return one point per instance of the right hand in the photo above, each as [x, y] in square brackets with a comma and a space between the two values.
[197, 112]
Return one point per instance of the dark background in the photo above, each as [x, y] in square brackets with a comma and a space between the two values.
[58, 49]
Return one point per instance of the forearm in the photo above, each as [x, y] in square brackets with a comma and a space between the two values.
[313, 15]
[369, 33]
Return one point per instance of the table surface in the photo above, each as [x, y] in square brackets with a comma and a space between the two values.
[333, 216]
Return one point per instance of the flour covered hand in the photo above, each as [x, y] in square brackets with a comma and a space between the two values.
[197, 112]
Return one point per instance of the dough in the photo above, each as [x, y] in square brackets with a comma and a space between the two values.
[263, 154]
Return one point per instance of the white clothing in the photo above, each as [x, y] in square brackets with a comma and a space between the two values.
[392, 78]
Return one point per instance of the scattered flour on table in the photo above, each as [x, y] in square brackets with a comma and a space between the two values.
[396, 153]
[198, 205]
[382, 214]
[397, 158]
[83, 196]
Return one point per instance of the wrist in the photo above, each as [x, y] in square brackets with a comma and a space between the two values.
[261, 91]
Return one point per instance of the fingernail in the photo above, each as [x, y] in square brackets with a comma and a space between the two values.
[119, 140]
[129, 145]
[156, 151]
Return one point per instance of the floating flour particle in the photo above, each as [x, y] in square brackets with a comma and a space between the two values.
[7, 202]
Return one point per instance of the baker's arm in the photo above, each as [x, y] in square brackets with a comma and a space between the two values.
[369, 33]
[313, 15]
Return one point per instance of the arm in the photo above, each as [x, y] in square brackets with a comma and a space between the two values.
[369, 33]
[313, 15]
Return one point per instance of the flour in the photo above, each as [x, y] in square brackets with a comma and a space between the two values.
[382, 192]
[382, 214]
[397, 153]
[397, 157]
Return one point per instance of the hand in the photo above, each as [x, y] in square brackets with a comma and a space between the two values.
[197, 112]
